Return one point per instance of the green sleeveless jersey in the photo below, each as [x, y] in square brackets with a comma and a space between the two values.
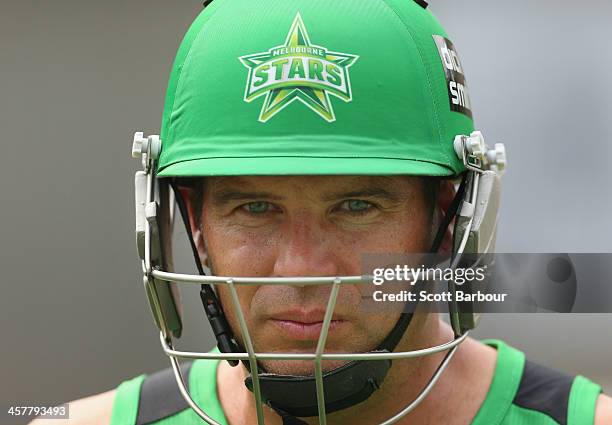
[521, 393]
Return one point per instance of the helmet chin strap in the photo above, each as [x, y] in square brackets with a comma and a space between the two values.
[295, 396]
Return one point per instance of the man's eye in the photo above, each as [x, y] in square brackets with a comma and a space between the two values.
[260, 207]
[356, 206]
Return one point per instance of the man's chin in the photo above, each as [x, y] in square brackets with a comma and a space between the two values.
[299, 367]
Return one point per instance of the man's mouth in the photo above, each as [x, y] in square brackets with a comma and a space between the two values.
[305, 326]
[301, 331]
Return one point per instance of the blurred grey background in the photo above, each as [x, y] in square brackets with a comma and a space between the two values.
[77, 78]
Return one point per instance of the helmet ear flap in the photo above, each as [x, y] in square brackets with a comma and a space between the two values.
[485, 213]
[163, 296]
[474, 239]
[170, 296]
[154, 222]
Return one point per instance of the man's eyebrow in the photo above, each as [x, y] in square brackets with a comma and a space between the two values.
[370, 192]
[228, 195]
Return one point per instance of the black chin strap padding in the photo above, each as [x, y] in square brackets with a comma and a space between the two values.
[344, 387]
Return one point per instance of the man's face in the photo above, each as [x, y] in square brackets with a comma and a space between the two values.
[309, 226]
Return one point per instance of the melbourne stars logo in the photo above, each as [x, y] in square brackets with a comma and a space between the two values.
[298, 70]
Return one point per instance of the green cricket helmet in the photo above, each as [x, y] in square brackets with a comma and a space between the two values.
[314, 87]
[311, 87]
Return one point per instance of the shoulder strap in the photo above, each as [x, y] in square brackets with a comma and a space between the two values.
[160, 397]
[545, 390]
[545, 395]
[156, 399]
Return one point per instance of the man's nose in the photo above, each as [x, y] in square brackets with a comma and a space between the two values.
[306, 250]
